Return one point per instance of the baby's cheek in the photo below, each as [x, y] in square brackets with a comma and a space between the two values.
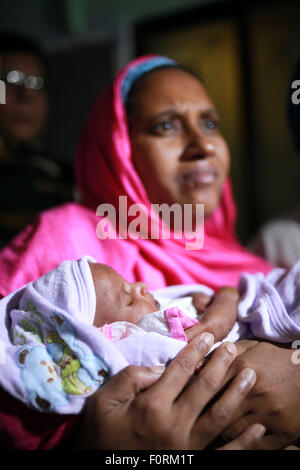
[107, 315]
[98, 321]
[139, 312]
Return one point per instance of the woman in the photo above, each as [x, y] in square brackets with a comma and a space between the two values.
[168, 149]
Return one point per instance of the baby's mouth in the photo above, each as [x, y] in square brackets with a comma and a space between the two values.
[154, 301]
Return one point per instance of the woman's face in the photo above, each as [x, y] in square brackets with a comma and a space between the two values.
[177, 148]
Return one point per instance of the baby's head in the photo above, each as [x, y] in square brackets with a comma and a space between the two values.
[117, 299]
[94, 292]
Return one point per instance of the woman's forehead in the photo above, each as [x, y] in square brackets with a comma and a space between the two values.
[167, 88]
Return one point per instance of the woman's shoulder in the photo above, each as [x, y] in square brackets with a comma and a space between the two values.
[73, 212]
[60, 225]
[57, 234]
[66, 232]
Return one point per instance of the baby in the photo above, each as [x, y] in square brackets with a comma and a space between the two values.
[119, 304]
[66, 333]
[70, 330]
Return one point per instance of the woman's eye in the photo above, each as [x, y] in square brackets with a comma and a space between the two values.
[166, 127]
[211, 124]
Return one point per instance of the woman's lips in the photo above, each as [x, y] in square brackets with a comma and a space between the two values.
[199, 177]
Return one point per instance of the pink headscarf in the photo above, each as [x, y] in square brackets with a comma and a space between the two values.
[104, 171]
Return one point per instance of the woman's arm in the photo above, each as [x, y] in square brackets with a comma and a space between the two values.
[150, 408]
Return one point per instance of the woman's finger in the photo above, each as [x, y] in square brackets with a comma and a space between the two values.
[242, 346]
[180, 369]
[194, 331]
[241, 420]
[219, 316]
[125, 385]
[249, 439]
[106, 423]
[207, 383]
[201, 301]
[220, 413]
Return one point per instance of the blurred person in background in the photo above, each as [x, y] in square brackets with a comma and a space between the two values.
[31, 180]
[278, 241]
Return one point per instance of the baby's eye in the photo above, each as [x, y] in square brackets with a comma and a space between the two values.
[129, 300]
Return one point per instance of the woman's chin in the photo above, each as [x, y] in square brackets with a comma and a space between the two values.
[210, 200]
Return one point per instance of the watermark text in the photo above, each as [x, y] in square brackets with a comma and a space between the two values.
[180, 222]
[2, 92]
[296, 93]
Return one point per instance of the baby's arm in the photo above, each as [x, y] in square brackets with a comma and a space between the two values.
[219, 313]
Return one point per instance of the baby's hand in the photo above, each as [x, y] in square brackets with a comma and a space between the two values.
[220, 313]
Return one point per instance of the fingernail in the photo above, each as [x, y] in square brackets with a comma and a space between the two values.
[200, 363]
[207, 338]
[249, 378]
[158, 370]
[231, 348]
[258, 431]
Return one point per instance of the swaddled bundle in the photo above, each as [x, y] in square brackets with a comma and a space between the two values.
[55, 357]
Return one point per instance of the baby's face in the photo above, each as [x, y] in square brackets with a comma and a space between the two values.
[117, 299]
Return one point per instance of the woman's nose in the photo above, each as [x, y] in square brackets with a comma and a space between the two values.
[21, 95]
[199, 146]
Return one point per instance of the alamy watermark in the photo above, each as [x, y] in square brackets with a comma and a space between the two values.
[296, 94]
[295, 356]
[2, 92]
[136, 221]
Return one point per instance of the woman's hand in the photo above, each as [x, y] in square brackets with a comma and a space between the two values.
[275, 399]
[220, 313]
[151, 408]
